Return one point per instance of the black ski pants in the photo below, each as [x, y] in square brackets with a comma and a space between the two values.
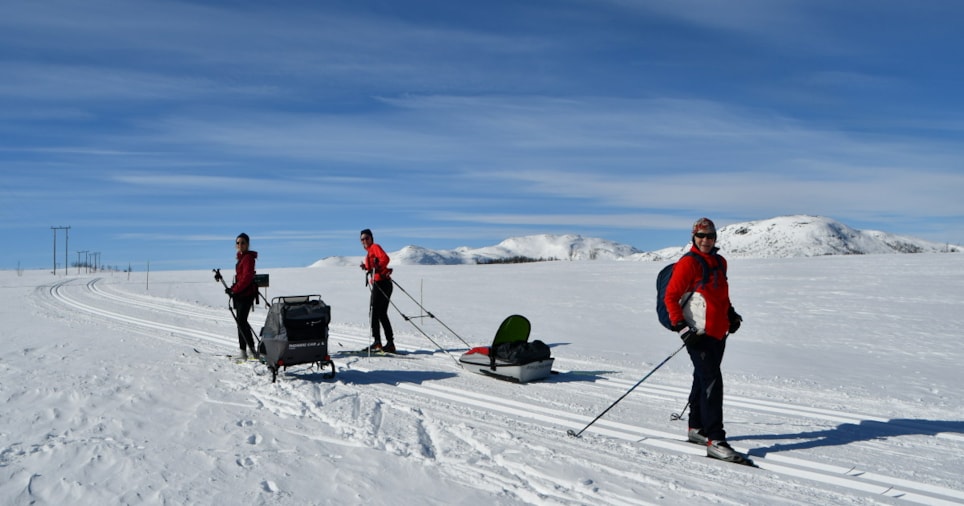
[242, 308]
[706, 395]
[381, 296]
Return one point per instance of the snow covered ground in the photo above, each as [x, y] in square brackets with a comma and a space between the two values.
[844, 384]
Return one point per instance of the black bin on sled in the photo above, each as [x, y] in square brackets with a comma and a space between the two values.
[296, 332]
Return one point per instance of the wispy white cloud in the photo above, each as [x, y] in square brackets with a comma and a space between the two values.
[624, 119]
[608, 220]
[797, 23]
[62, 83]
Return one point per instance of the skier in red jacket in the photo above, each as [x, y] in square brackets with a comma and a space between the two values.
[243, 293]
[708, 317]
[376, 267]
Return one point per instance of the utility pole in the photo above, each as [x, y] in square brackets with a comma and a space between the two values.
[66, 248]
[82, 264]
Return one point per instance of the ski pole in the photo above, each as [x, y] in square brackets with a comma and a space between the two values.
[572, 433]
[679, 416]
[429, 314]
[371, 304]
[419, 329]
[219, 277]
[265, 299]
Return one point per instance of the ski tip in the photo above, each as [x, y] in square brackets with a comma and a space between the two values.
[743, 461]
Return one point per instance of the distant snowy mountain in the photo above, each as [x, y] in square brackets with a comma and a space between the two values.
[807, 236]
[781, 237]
[545, 246]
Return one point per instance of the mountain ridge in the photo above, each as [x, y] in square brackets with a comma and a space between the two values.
[779, 237]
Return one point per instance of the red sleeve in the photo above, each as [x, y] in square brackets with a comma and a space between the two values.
[380, 258]
[244, 274]
[685, 273]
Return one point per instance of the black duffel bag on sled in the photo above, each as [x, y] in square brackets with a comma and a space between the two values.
[296, 332]
[511, 356]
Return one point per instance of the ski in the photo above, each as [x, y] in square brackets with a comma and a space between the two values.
[240, 360]
[740, 459]
[737, 458]
[364, 352]
[236, 358]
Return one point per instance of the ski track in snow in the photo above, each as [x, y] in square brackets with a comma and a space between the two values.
[538, 428]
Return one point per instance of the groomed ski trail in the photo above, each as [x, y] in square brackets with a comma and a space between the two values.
[147, 316]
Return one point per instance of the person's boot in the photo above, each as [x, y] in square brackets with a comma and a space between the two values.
[696, 436]
[722, 450]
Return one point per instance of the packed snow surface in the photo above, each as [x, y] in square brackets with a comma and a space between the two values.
[844, 385]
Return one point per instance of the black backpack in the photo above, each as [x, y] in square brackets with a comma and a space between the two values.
[662, 279]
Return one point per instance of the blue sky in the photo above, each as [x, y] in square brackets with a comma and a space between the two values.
[160, 130]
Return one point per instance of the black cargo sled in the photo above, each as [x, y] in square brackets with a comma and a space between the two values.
[296, 332]
[511, 357]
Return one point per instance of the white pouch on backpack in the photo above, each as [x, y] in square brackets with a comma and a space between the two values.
[694, 311]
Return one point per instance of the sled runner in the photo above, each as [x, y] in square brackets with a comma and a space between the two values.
[296, 332]
[511, 357]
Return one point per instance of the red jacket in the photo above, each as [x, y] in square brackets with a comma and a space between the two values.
[687, 276]
[376, 261]
[244, 274]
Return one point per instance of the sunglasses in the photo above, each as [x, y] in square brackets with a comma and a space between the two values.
[240, 242]
[701, 235]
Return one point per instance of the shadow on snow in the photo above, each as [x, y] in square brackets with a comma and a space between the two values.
[844, 434]
[388, 377]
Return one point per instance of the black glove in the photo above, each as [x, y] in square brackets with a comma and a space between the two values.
[735, 320]
[691, 337]
[228, 291]
[678, 326]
